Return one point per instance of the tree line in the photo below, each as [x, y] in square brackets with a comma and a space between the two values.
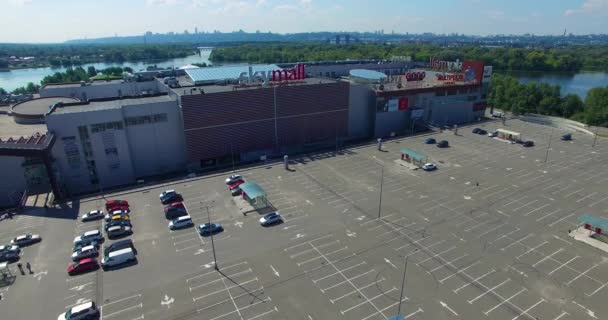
[506, 93]
[568, 59]
[73, 55]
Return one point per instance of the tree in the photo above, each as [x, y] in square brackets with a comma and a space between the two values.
[91, 71]
[3, 92]
[571, 104]
[596, 106]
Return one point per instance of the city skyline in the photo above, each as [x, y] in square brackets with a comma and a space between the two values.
[37, 20]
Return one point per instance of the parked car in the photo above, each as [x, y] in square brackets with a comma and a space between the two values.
[567, 137]
[207, 229]
[112, 205]
[430, 141]
[9, 253]
[85, 252]
[236, 191]
[82, 266]
[117, 223]
[169, 196]
[181, 222]
[86, 243]
[87, 310]
[118, 257]
[93, 235]
[429, 167]
[482, 132]
[92, 215]
[236, 184]
[270, 219]
[528, 143]
[117, 215]
[497, 114]
[443, 144]
[233, 178]
[174, 205]
[118, 231]
[26, 240]
[119, 245]
[172, 213]
[476, 130]
[493, 134]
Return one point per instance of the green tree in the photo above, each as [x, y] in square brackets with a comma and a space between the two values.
[571, 104]
[596, 106]
[91, 71]
[3, 92]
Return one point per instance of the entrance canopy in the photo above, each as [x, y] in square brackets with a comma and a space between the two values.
[414, 157]
[597, 224]
[254, 194]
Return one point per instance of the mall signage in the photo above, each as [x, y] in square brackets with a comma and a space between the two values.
[450, 76]
[446, 65]
[415, 76]
[296, 73]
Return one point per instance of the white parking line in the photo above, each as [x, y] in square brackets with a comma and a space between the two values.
[505, 301]
[140, 306]
[330, 275]
[123, 299]
[265, 313]
[459, 271]
[573, 192]
[531, 249]
[364, 302]
[488, 291]
[516, 242]
[581, 274]
[548, 214]
[210, 272]
[225, 289]
[585, 197]
[525, 205]
[491, 230]
[473, 281]
[447, 263]
[435, 255]
[602, 200]
[309, 250]
[220, 279]
[547, 257]
[526, 311]
[504, 235]
[529, 212]
[304, 243]
[563, 218]
[360, 288]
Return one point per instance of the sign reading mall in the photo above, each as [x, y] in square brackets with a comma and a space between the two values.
[296, 73]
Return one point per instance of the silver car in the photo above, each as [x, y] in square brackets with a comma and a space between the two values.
[85, 252]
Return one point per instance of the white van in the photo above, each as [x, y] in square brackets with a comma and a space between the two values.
[118, 257]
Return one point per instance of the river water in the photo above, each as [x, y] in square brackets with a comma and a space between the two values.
[577, 83]
[20, 77]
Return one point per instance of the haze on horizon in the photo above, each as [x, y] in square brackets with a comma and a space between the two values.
[49, 21]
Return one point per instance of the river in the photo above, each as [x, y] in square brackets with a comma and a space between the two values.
[577, 83]
[20, 77]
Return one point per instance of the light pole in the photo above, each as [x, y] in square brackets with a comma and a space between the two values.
[595, 137]
[212, 243]
[403, 284]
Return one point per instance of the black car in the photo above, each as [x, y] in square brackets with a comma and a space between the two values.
[114, 223]
[118, 245]
[482, 132]
[476, 130]
[528, 143]
[567, 137]
[443, 144]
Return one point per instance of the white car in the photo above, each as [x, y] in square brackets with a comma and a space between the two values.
[429, 167]
[26, 239]
[87, 310]
[84, 252]
[117, 231]
[493, 134]
[271, 218]
[93, 235]
[92, 215]
[233, 178]
[181, 222]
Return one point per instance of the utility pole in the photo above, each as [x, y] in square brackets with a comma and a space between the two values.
[595, 137]
[549, 145]
[381, 183]
[212, 243]
[403, 284]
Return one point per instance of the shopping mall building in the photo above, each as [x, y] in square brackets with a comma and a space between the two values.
[107, 134]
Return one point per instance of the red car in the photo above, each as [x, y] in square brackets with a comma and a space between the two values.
[113, 205]
[236, 184]
[174, 205]
[82, 266]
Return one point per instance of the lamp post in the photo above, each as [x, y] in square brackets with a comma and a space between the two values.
[403, 286]
[548, 145]
[381, 184]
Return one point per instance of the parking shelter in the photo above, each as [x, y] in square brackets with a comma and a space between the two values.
[254, 194]
[413, 157]
[508, 135]
[593, 223]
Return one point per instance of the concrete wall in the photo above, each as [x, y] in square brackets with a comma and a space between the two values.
[12, 182]
[156, 148]
[141, 150]
[360, 111]
[389, 122]
[450, 111]
[100, 90]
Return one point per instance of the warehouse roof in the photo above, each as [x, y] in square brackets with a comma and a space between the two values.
[226, 73]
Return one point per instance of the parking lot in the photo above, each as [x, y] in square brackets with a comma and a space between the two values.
[482, 237]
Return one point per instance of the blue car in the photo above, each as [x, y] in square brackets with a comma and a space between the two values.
[430, 141]
[271, 219]
[207, 229]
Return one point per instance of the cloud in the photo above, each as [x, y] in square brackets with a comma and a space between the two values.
[590, 7]
[161, 2]
[18, 3]
[260, 3]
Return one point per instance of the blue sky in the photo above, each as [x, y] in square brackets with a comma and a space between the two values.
[60, 20]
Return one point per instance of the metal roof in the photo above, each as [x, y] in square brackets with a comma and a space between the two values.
[226, 73]
[415, 155]
[369, 75]
[596, 222]
[253, 190]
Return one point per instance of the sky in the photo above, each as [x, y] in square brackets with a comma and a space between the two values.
[61, 20]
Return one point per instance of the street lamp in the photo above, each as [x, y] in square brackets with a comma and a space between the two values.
[548, 145]
[399, 316]
[381, 184]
